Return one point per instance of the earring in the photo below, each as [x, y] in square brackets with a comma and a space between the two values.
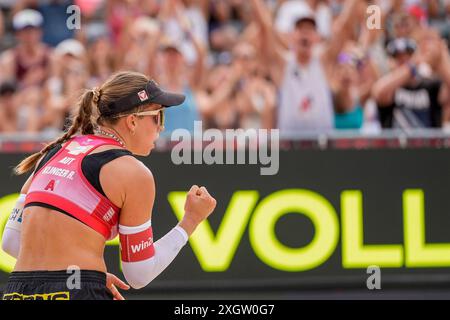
[133, 132]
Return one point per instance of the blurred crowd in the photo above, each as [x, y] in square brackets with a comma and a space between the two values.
[298, 65]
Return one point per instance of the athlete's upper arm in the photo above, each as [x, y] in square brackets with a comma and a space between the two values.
[142, 259]
[26, 185]
[129, 184]
[139, 199]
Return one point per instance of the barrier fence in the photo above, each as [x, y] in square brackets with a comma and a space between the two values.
[317, 224]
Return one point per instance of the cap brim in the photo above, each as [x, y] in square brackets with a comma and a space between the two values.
[28, 26]
[168, 99]
[306, 19]
[171, 47]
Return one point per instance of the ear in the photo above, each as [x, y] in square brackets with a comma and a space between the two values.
[131, 123]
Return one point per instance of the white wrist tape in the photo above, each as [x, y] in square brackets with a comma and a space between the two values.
[15, 218]
[143, 260]
[13, 228]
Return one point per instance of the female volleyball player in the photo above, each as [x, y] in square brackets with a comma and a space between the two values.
[85, 188]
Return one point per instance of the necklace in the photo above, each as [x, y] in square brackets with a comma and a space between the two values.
[110, 135]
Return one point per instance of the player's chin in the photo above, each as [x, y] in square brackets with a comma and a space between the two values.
[145, 152]
[149, 149]
[142, 154]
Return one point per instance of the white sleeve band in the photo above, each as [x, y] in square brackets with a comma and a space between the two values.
[13, 228]
[131, 230]
[139, 274]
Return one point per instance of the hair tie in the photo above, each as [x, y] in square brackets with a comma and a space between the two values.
[96, 93]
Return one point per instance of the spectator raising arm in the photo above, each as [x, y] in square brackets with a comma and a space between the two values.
[2, 26]
[208, 103]
[152, 52]
[443, 63]
[342, 30]
[432, 52]
[198, 73]
[432, 7]
[442, 69]
[384, 89]
[271, 47]
[7, 65]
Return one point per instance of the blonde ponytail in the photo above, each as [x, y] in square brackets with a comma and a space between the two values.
[90, 107]
[83, 121]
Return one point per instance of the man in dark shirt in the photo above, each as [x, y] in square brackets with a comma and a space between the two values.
[414, 93]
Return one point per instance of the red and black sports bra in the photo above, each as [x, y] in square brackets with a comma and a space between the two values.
[67, 180]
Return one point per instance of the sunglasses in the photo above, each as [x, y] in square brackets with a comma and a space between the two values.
[401, 45]
[157, 114]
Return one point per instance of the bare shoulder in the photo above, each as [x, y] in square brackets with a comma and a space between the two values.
[128, 169]
[7, 62]
[127, 179]
[7, 55]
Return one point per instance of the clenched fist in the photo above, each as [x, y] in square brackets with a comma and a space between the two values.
[199, 205]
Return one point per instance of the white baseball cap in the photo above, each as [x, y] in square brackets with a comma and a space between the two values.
[291, 13]
[27, 18]
[72, 47]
